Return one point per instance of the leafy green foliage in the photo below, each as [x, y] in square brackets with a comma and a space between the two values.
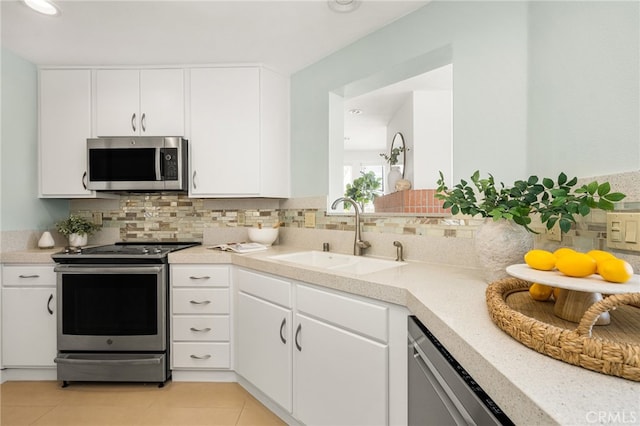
[392, 159]
[554, 201]
[363, 189]
[76, 225]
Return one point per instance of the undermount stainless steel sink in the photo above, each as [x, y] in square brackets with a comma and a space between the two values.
[357, 265]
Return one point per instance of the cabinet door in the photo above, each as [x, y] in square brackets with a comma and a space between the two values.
[28, 327]
[264, 347]
[162, 102]
[117, 102]
[340, 378]
[65, 125]
[225, 131]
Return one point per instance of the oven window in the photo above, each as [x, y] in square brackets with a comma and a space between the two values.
[110, 304]
[122, 164]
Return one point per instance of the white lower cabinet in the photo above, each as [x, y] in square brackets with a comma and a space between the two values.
[322, 355]
[200, 317]
[264, 330]
[28, 316]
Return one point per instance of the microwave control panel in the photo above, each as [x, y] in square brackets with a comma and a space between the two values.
[170, 163]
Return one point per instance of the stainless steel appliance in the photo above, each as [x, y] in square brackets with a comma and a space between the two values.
[137, 164]
[113, 312]
[441, 391]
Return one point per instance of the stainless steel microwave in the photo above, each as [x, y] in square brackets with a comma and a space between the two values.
[137, 164]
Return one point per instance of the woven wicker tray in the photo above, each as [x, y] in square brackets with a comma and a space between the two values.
[613, 349]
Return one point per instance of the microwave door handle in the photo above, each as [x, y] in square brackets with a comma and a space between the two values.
[159, 157]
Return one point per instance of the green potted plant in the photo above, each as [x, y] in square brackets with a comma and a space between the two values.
[394, 170]
[554, 201]
[76, 229]
[500, 243]
[363, 190]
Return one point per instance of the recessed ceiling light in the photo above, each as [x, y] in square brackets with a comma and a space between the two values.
[355, 111]
[45, 7]
[343, 6]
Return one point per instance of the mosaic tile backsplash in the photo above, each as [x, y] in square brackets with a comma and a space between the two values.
[173, 217]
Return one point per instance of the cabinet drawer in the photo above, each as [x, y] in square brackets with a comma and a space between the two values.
[202, 328]
[348, 313]
[199, 276]
[28, 275]
[265, 287]
[200, 301]
[201, 355]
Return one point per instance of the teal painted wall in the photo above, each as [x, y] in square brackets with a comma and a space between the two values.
[513, 62]
[488, 41]
[584, 87]
[21, 209]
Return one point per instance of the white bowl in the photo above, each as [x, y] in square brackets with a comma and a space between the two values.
[266, 236]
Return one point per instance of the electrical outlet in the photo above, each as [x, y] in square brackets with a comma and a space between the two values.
[309, 220]
[97, 218]
[554, 234]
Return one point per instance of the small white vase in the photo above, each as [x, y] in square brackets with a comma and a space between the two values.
[46, 240]
[78, 240]
[499, 244]
[394, 176]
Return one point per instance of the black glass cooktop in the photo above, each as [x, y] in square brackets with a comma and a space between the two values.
[123, 252]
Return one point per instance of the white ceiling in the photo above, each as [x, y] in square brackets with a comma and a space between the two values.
[285, 35]
[368, 130]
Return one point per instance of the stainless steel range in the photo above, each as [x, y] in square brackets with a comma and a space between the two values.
[113, 312]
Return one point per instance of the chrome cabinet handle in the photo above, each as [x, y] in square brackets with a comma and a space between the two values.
[207, 356]
[84, 180]
[143, 122]
[133, 121]
[298, 330]
[205, 302]
[284, 322]
[29, 276]
[205, 277]
[49, 304]
[200, 330]
[194, 180]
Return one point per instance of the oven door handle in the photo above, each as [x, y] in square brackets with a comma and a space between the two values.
[139, 361]
[121, 269]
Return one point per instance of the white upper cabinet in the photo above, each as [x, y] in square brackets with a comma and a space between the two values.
[65, 125]
[140, 102]
[239, 132]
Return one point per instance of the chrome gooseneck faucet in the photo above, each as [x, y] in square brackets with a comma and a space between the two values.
[358, 244]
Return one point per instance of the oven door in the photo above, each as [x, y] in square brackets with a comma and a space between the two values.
[112, 308]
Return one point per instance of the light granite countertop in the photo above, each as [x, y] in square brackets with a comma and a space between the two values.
[530, 387]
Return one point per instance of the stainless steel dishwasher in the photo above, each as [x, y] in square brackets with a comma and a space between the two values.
[441, 392]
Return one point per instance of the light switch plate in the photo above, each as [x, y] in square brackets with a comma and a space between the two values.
[623, 230]
[309, 220]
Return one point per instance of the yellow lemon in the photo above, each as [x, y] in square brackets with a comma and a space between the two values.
[576, 265]
[556, 293]
[599, 256]
[540, 259]
[562, 251]
[615, 270]
[540, 292]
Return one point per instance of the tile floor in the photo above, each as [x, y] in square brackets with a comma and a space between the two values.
[92, 404]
